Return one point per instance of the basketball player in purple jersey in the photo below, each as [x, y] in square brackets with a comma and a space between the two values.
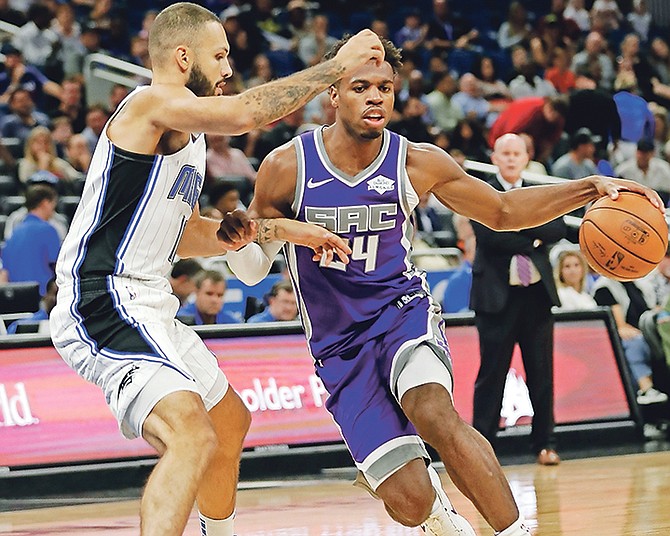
[375, 333]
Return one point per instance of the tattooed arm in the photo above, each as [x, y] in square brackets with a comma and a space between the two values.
[252, 263]
[170, 107]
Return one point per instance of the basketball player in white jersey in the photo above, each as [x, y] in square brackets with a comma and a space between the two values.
[114, 322]
[374, 331]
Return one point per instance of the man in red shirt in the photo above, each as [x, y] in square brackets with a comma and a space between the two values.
[542, 118]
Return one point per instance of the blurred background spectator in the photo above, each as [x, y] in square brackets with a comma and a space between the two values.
[96, 118]
[18, 74]
[647, 169]
[516, 29]
[30, 252]
[314, 44]
[208, 306]
[40, 155]
[281, 305]
[182, 278]
[224, 196]
[542, 118]
[570, 274]
[628, 300]
[426, 220]
[58, 221]
[577, 163]
[22, 117]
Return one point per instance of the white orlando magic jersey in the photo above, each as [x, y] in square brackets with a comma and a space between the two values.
[132, 213]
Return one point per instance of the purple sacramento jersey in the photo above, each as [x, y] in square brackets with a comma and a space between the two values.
[339, 304]
[364, 320]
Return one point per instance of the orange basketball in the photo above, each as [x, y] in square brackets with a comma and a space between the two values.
[623, 239]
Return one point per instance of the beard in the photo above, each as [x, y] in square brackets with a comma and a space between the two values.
[198, 83]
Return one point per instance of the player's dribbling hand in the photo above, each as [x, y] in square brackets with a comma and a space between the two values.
[236, 230]
[610, 187]
[361, 48]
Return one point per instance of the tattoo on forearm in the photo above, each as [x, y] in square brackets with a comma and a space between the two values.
[267, 231]
[279, 98]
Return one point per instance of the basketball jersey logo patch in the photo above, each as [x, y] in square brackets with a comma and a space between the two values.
[381, 184]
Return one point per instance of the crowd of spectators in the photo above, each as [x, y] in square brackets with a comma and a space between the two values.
[587, 84]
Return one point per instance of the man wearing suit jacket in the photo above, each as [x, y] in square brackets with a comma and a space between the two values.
[512, 294]
[427, 220]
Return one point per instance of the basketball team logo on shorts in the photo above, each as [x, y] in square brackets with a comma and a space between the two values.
[128, 378]
[634, 232]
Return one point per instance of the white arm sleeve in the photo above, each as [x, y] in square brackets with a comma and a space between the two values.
[251, 264]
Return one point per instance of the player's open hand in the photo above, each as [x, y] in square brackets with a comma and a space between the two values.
[361, 48]
[237, 230]
[607, 186]
[326, 245]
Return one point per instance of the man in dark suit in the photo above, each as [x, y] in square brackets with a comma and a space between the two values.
[512, 294]
[426, 220]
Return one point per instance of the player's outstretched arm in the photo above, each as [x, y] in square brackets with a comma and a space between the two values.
[263, 104]
[431, 169]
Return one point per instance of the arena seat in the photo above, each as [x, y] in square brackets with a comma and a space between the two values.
[21, 297]
[67, 205]
[284, 62]
[462, 61]
[14, 146]
[359, 20]
[10, 203]
[28, 327]
[8, 185]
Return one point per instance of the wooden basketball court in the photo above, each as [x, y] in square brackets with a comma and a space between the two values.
[614, 496]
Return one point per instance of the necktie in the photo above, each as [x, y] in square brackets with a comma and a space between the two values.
[523, 269]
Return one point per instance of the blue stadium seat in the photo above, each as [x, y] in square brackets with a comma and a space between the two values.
[461, 61]
[501, 60]
[336, 26]
[283, 62]
[359, 20]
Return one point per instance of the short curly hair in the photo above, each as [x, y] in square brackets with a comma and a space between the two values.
[392, 54]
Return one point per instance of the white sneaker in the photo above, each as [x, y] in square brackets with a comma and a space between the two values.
[651, 396]
[446, 521]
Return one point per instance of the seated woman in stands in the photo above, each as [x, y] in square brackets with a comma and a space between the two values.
[570, 274]
[40, 155]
